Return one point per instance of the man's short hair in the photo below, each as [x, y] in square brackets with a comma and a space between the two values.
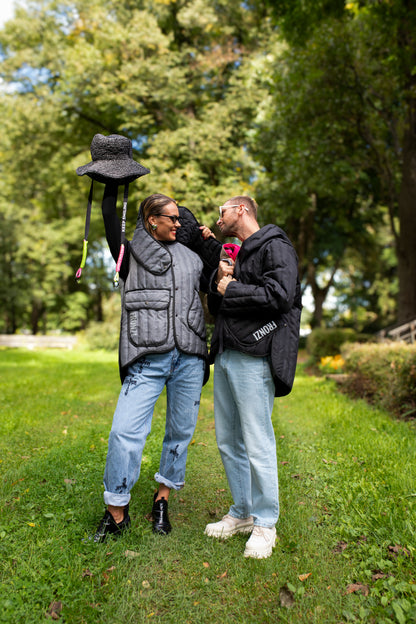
[249, 202]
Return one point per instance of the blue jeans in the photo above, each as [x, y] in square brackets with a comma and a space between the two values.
[183, 375]
[243, 403]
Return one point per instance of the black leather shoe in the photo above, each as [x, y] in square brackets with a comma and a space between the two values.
[108, 526]
[160, 516]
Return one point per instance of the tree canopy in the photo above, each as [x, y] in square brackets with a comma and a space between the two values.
[308, 106]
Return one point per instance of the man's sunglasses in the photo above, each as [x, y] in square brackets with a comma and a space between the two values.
[222, 208]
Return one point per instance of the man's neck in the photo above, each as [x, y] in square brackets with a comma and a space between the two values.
[246, 230]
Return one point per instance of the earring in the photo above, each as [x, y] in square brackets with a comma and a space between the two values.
[154, 226]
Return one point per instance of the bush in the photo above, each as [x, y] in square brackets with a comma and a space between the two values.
[103, 335]
[384, 374]
[324, 342]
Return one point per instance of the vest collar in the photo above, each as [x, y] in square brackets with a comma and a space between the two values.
[149, 252]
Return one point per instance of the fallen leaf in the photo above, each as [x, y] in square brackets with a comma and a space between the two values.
[87, 572]
[286, 597]
[284, 463]
[397, 549]
[14, 482]
[146, 584]
[340, 547]
[31, 524]
[377, 576]
[223, 575]
[69, 481]
[111, 568]
[54, 610]
[206, 564]
[357, 587]
[202, 444]
[303, 577]
[131, 553]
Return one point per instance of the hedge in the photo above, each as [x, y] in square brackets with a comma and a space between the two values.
[324, 342]
[384, 374]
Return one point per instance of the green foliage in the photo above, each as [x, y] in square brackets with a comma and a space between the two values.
[103, 335]
[326, 342]
[384, 374]
[165, 74]
[333, 137]
[317, 126]
[299, 18]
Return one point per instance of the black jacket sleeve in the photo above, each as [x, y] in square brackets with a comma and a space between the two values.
[272, 290]
[208, 250]
[113, 227]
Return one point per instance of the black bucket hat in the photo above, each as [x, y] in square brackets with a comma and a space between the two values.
[112, 161]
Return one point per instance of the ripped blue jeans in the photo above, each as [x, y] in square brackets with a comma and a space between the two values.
[182, 375]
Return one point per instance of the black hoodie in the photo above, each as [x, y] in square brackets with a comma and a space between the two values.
[260, 312]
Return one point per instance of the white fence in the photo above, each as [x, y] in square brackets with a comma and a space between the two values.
[25, 341]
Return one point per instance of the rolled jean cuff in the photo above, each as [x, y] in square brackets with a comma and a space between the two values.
[169, 484]
[117, 500]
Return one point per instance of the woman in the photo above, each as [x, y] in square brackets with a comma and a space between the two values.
[162, 343]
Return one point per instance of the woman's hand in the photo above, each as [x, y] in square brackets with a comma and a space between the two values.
[206, 232]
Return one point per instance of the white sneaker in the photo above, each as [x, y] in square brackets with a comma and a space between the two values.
[229, 526]
[261, 543]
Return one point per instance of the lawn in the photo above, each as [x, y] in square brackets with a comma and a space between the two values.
[347, 537]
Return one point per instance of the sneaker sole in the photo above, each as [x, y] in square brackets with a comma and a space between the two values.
[226, 534]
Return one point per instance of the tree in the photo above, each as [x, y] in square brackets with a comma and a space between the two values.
[160, 73]
[375, 71]
[314, 178]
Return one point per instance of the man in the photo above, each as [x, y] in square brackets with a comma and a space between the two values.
[257, 305]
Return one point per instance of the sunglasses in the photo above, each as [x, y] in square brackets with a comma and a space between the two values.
[173, 218]
[222, 208]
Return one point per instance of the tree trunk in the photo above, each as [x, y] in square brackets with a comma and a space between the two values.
[406, 246]
[319, 297]
[406, 251]
[36, 315]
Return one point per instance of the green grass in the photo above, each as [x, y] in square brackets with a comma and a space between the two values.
[347, 476]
